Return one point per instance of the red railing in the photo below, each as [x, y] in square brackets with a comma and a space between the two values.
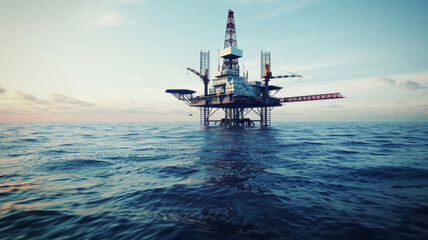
[324, 96]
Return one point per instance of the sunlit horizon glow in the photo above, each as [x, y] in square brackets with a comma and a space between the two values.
[72, 61]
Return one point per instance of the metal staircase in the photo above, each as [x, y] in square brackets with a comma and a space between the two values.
[204, 116]
[265, 116]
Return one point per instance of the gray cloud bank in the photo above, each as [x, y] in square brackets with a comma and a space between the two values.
[60, 98]
[408, 84]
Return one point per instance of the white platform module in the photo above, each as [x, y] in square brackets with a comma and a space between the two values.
[231, 52]
[226, 72]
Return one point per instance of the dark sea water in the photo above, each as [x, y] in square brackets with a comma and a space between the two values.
[180, 181]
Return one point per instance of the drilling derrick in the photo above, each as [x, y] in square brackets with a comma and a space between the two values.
[235, 95]
[230, 52]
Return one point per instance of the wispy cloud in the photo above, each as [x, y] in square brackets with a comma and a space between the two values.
[311, 66]
[333, 106]
[135, 78]
[386, 80]
[407, 84]
[60, 98]
[2, 90]
[132, 1]
[411, 85]
[289, 6]
[114, 20]
[20, 103]
[245, 2]
[8, 112]
[26, 96]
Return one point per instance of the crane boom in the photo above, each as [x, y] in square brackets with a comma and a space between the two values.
[324, 96]
[203, 77]
[197, 73]
[287, 76]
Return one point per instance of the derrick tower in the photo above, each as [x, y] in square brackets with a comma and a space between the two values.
[233, 95]
[230, 61]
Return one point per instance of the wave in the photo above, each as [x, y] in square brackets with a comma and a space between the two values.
[177, 181]
[75, 164]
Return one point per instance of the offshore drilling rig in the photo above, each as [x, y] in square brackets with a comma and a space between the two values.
[233, 93]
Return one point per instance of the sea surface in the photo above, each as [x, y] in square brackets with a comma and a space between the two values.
[313, 180]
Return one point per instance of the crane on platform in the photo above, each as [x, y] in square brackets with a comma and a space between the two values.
[203, 77]
[267, 74]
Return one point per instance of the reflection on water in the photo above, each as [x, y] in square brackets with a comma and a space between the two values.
[236, 156]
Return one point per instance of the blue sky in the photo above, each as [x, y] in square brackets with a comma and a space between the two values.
[112, 60]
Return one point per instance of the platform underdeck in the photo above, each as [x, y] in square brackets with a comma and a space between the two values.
[235, 116]
[232, 101]
[235, 108]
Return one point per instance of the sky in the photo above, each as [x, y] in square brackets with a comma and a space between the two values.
[111, 60]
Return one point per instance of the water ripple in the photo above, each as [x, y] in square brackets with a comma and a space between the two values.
[178, 181]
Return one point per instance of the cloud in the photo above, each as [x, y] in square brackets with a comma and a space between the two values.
[60, 98]
[7, 112]
[114, 20]
[56, 98]
[400, 102]
[411, 85]
[2, 90]
[131, 1]
[27, 97]
[245, 2]
[424, 108]
[408, 84]
[333, 106]
[135, 78]
[133, 111]
[290, 6]
[44, 102]
[311, 66]
[386, 80]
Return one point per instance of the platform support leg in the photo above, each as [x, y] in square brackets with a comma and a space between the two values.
[205, 115]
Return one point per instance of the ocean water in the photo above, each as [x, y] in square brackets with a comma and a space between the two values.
[181, 181]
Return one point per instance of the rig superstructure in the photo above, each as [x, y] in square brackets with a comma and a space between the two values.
[233, 93]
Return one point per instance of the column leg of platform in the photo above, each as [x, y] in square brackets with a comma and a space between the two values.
[236, 115]
[242, 116]
[266, 117]
[207, 116]
[261, 117]
[233, 116]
